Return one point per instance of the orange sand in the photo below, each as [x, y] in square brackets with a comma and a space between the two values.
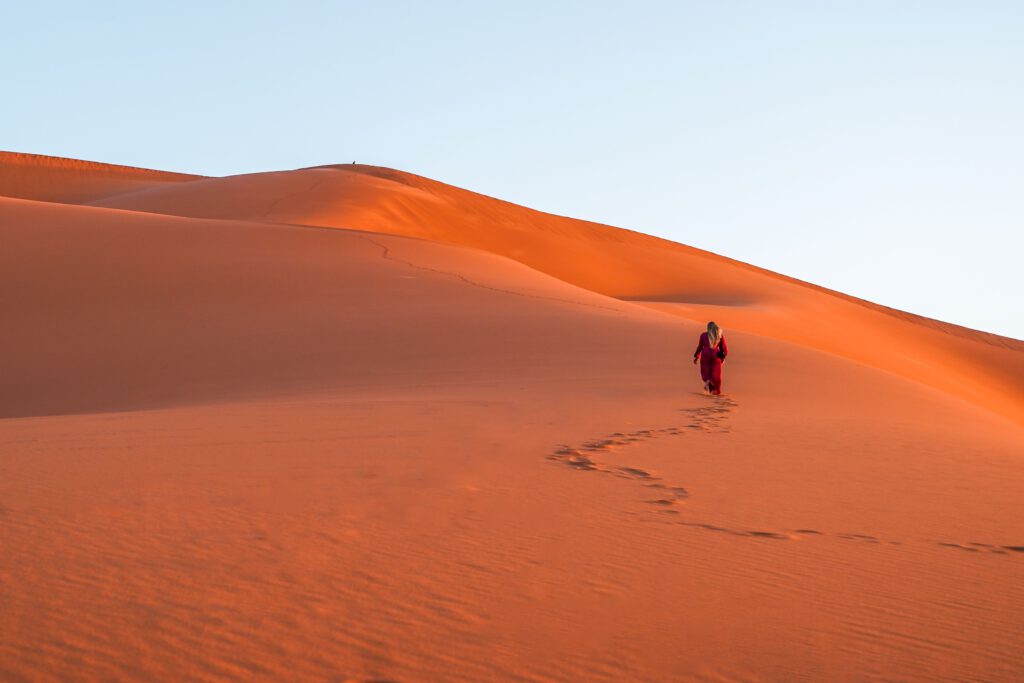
[347, 423]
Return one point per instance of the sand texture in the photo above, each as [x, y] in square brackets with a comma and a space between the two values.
[351, 424]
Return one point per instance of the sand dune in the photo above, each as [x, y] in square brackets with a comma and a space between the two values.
[154, 310]
[983, 368]
[349, 424]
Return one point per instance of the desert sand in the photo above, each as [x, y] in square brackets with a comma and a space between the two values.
[351, 424]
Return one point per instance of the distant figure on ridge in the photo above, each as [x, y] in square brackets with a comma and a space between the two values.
[711, 351]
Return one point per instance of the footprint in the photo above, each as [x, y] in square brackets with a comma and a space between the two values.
[959, 547]
[858, 537]
[574, 458]
[708, 527]
[768, 534]
[636, 472]
[988, 548]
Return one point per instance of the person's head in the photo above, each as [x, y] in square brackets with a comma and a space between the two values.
[714, 333]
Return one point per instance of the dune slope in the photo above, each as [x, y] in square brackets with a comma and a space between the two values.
[983, 368]
[121, 311]
[240, 442]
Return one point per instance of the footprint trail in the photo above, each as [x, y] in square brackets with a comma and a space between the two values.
[600, 455]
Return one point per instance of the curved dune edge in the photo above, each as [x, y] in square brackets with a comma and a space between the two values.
[980, 367]
[72, 181]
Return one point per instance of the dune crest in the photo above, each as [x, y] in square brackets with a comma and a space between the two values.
[71, 181]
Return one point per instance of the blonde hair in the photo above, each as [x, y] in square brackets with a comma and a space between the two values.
[714, 334]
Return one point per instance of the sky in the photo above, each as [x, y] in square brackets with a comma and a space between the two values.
[875, 148]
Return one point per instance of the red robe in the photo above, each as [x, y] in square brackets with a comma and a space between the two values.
[710, 363]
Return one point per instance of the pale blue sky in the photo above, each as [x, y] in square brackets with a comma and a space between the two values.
[876, 148]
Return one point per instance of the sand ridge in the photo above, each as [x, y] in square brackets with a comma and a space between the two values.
[55, 179]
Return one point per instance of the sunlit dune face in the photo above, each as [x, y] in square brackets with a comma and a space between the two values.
[670, 278]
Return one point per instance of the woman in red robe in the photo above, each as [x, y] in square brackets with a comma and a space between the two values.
[711, 351]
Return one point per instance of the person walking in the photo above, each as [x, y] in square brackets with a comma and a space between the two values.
[711, 351]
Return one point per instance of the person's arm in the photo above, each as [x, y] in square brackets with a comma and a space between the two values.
[700, 345]
[723, 350]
